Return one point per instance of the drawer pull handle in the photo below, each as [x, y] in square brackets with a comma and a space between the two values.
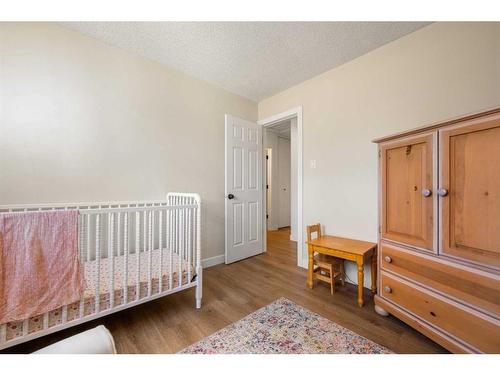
[387, 289]
[388, 259]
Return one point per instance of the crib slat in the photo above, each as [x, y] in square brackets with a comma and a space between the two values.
[144, 234]
[81, 232]
[150, 259]
[126, 250]
[184, 240]
[118, 234]
[137, 253]
[192, 255]
[118, 238]
[25, 327]
[186, 243]
[197, 236]
[186, 236]
[88, 257]
[160, 245]
[98, 263]
[178, 236]
[111, 260]
[81, 237]
[88, 237]
[3, 333]
[195, 259]
[45, 320]
[171, 249]
[81, 308]
[190, 244]
[181, 246]
[64, 314]
[175, 249]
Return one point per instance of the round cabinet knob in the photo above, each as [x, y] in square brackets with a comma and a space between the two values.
[442, 192]
[388, 259]
[230, 196]
[426, 192]
[387, 289]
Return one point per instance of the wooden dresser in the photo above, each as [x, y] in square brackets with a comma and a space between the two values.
[439, 232]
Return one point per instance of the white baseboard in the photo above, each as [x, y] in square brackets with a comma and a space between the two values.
[304, 264]
[213, 261]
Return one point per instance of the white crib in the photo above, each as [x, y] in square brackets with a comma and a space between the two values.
[131, 253]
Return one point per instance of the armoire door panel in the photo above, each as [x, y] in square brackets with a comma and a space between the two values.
[407, 191]
[470, 177]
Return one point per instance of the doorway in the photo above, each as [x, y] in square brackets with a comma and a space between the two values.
[282, 177]
[277, 142]
[245, 186]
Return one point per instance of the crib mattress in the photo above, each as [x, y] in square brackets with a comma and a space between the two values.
[173, 272]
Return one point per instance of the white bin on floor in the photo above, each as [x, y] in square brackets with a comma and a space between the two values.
[97, 340]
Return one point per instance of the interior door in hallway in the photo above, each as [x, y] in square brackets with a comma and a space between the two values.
[243, 188]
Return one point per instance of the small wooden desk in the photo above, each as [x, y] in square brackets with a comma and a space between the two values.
[348, 249]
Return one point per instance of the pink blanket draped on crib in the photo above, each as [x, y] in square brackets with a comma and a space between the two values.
[39, 266]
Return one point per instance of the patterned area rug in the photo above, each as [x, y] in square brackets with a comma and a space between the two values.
[287, 328]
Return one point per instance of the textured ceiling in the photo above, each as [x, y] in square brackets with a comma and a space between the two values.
[252, 59]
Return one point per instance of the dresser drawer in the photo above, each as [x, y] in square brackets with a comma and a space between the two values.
[478, 288]
[470, 326]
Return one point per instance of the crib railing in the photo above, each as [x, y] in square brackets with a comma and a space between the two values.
[160, 240]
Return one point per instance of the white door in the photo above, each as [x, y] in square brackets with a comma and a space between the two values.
[243, 189]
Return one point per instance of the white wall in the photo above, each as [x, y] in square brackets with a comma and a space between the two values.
[83, 121]
[441, 71]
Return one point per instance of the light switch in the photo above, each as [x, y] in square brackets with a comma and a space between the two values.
[313, 163]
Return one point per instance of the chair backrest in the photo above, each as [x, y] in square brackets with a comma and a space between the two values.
[316, 228]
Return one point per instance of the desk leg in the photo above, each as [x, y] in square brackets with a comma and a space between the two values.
[374, 272]
[310, 267]
[361, 280]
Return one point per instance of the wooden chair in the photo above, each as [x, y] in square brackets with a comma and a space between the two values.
[326, 268]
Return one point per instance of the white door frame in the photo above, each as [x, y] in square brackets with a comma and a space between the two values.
[291, 113]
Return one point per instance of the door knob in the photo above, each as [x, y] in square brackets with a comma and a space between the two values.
[426, 192]
[387, 289]
[443, 192]
[230, 196]
[388, 259]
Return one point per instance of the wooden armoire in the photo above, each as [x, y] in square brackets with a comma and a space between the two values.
[439, 232]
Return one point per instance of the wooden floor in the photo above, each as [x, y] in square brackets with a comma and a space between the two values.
[231, 292]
